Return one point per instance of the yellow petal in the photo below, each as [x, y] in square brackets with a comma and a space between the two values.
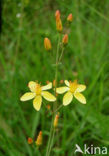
[81, 88]
[48, 96]
[62, 90]
[67, 98]
[37, 102]
[27, 96]
[67, 83]
[32, 86]
[80, 97]
[48, 86]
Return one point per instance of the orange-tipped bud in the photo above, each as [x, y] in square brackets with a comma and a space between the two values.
[39, 139]
[65, 39]
[57, 14]
[61, 81]
[70, 18]
[59, 25]
[30, 140]
[56, 120]
[47, 82]
[48, 107]
[47, 44]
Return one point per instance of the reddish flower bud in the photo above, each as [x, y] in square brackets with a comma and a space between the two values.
[57, 14]
[48, 107]
[61, 81]
[70, 18]
[47, 44]
[56, 94]
[59, 25]
[56, 120]
[47, 82]
[39, 139]
[65, 39]
[30, 140]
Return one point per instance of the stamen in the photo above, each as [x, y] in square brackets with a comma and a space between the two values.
[38, 89]
[73, 86]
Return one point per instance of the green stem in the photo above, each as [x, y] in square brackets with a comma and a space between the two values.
[56, 73]
[55, 111]
[51, 143]
[51, 137]
[58, 108]
[61, 54]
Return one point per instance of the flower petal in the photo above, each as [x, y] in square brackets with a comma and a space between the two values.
[67, 83]
[67, 98]
[80, 88]
[48, 86]
[48, 96]
[37, 102]
[80, 97]
[27, 96]
[32, 86]
[61, 90]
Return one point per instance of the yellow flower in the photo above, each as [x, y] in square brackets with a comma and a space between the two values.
[37, 92]
[72, 89]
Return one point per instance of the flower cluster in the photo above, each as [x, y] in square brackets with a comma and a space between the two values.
[38, 91]
[73, 89]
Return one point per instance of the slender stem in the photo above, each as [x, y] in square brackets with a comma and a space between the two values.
[56, 73]
[57, 109]
[52, 130]
[61, 54]
[49, 141]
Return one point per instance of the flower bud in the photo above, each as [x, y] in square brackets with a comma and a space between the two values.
[39, 139]
[55, 124]
[61, 81]
[48, 107]
[70, 18]
[47, 44]
[57, 14]
[65, 39]
[59, 25]
[47, 82]
[30, 140]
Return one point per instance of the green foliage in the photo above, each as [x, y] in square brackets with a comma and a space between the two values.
[23, 58]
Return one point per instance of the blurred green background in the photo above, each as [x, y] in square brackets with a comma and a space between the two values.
[23, 58]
